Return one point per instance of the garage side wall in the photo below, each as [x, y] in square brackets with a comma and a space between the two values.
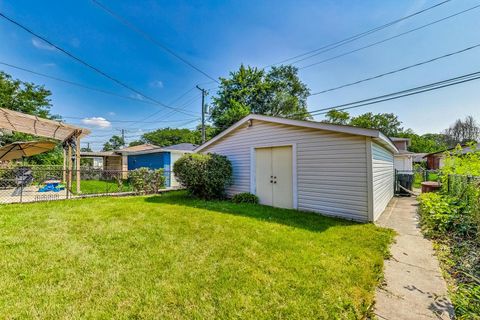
[383, 177]
[331, 167]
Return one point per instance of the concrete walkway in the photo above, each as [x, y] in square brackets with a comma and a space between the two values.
[414, 287]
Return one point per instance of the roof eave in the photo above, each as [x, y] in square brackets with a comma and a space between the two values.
[383, 139]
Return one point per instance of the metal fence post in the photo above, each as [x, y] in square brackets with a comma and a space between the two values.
[448, 183]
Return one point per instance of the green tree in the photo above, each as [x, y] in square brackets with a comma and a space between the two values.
[29, 98]
[24, 97]
[168, 136]
[426, 143]
[135, 143]
[278, 92]
[114, 143]
[337, 117]
[387, 123]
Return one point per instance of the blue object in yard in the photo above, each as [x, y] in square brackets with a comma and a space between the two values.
[152, 161]
[51, 187]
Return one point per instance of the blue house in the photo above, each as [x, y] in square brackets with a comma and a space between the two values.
[154, 157]
[143, 156]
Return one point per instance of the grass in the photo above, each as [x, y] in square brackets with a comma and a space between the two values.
[101, 186]
[419, 178]
[171, 256]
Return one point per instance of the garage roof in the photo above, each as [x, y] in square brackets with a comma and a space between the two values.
[375, 134]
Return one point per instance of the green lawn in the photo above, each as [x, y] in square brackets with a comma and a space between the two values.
[171, 256]
[419, 177]
[101, 186]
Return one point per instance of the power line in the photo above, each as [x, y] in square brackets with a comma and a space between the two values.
[384, 40]
[342, 42]
[97, 70]
[403, 93]
[397, 70]
[77, 84]
[171, 112]
[125, 121]
[148, 37]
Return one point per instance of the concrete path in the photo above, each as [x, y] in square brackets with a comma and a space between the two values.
[414, 287]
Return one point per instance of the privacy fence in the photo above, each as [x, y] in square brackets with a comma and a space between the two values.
[45, 183]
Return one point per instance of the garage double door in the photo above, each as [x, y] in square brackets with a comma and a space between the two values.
[273, 176]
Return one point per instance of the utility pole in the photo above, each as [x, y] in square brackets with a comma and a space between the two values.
[204, 93]
[123, 137]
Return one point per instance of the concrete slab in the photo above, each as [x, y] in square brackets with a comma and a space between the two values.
[413, 287]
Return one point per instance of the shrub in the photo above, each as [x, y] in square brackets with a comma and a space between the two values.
[147, 181]
[204, 175]
[245, 197]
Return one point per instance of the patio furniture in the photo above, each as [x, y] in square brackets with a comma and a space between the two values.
[23, 177]
[51, 185]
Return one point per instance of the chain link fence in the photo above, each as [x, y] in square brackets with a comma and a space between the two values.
[45, 183]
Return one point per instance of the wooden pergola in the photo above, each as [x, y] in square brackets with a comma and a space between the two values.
[67, 134]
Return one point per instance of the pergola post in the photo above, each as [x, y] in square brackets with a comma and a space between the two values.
[69, 181]
[77, 160]
[64, 165]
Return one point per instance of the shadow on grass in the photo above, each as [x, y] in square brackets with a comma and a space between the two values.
[292, 218]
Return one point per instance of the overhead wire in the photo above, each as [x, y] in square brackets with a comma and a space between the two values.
[400, 94]
[148, 37]
[397, 70]
[83, 62]
[355, 37]
[387, 39]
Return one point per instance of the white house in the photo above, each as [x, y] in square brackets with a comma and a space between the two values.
[330, 169]
[403, 159]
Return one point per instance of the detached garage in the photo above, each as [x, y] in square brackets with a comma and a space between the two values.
[330, 169]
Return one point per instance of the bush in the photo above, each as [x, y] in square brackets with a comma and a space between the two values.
[147, 181]
[245, 197]
[204, 175]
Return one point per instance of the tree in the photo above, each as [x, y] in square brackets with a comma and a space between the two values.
[278, 92]
[24, 97]
[114, 143]
[387, 123]
[337, 117]
[462, 131]
[429, 142]
[29, 98]
[169, 136]
[135, 143]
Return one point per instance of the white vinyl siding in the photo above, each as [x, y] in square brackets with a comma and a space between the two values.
[331, 167]
[382, 177]
[403, 162]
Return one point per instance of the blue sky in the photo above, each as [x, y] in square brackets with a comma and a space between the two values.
[218, 36]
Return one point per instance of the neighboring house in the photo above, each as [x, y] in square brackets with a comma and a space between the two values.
[145, 155]
[419, 158]
[435, 160]
[330, 169]
[403, 160]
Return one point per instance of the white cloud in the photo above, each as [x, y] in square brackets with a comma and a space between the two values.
[39, 44]
[97, 122]
[137, 96]
[156, 84]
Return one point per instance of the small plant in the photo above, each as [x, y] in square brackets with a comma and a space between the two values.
[204, 175]
[147, 181]
[245, 197]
